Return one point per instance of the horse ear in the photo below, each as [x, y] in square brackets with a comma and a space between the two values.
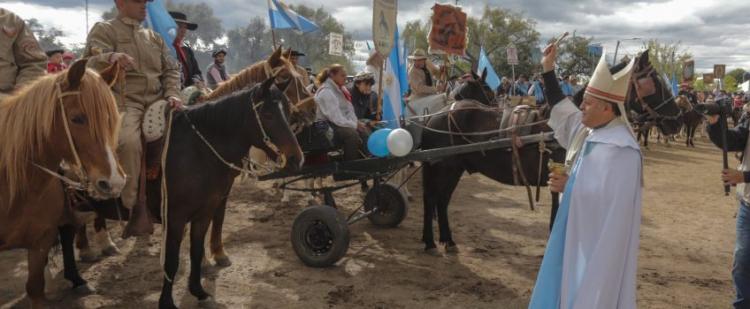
[484, 74]
[474, 75]
[75, 74]
[265, 88]
[276, 56]
[111, 74]
[643, 60]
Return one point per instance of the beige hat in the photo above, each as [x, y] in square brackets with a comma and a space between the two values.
[418, 54]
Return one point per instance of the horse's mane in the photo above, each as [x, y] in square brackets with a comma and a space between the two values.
[27, 118]
[229, 109]
[255, 73]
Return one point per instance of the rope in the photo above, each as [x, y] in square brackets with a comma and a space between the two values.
[164, 196]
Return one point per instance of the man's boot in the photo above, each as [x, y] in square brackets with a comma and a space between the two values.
[140, 223]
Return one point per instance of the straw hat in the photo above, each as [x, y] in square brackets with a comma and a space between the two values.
[418, 54]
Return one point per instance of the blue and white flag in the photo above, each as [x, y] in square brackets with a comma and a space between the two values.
[284, 18]
[492, 79]
[159, 20]
[395, 85]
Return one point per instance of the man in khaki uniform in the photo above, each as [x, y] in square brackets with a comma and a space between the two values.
[21, 59]
[152, 75]
[420, 76]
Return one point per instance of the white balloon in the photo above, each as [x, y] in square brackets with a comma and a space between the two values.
[400, 142]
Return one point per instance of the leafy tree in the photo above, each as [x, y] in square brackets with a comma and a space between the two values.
[667, 57]
[315, 44]
[209, 26]
[738, 74]
[699, 85]
[574, 57]
[729, 83]
[248, 44]
[415, 35]
[48, 37]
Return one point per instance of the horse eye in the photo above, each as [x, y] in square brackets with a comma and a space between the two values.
[79, 119]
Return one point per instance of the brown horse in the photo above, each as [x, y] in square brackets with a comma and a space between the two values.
[71, 117]
[690, 117]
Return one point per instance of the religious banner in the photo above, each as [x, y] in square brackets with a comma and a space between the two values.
[688, 70]
[708, 78]
[384, 24]
[512, 53]
[719, 70]
[336, 44]
[449, 30]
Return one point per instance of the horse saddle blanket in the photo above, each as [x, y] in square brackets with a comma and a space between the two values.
[516, 120]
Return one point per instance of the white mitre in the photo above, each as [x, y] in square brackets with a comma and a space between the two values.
[611, 88]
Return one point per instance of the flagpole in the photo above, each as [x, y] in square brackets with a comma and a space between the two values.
[273, 36]
[379, 115]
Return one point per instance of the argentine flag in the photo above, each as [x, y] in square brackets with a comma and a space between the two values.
[394, 85]
[493, 80]
[284, 18]
[159, 20]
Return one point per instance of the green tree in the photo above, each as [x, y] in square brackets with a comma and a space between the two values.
[415, 35]
[111, 14]
[48, 37]
[209, 26]
[729, 83]
[667, 57]
[248, 44]
[315, 44]
[699, 85]
[574, 57]
[496, 30]
[738, 74]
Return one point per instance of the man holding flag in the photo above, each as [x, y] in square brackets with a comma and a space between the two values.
[152, 75]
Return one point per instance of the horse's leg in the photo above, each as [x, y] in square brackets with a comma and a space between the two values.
[37, 261]
[450, 178]
[217, 244]
[429, 189]
[85, 253]
[198, 231]
[692, 135]
[102, 238]
[67, 235]
[175, 232]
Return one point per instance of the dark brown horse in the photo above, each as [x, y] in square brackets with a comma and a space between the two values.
[72, 117]
[649, 96]
[690, 117]
[205, 142]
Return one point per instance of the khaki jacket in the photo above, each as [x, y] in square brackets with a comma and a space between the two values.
[21, 59]
[418, 84]
[156, 74]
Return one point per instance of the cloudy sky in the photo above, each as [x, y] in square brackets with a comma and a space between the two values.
[715, 31]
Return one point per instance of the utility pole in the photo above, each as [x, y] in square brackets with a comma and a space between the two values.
[87, 16]
[614, 60]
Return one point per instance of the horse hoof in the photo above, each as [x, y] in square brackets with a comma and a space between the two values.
[207, 302]
[432, 252]
[222, 261]
[88, 257]
[452, 249]
[110, 251]
[84, 289]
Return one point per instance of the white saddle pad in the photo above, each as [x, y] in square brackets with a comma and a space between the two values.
[154, 121]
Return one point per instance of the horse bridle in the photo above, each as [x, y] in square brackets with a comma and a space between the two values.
[273, 72]
[653, 111]
[79, 171]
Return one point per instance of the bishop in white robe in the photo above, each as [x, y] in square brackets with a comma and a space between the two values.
[591, 256]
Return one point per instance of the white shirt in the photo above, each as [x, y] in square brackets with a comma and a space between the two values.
[333, 106]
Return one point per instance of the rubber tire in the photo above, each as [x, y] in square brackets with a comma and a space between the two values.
[397, 206]
[337, 227]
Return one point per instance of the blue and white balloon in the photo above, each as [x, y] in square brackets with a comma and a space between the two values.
[400, 142]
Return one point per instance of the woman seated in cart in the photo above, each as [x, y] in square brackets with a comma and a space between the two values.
[335, 106]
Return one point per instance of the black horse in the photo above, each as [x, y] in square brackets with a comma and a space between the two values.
[441, 178]
[198, 180]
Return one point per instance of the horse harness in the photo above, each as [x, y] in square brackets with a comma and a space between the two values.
[644, 86]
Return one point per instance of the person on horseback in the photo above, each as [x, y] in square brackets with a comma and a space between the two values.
[151, 75]
[420, 76]
[590, 260]
[293, 57]
[21, 59]
[335, 106]
[191, 71]
[216, 72]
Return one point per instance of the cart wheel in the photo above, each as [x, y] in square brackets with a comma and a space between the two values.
[320, 236]
[391, 204]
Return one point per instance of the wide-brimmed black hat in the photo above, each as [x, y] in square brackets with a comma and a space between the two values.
[180, 17]
[295, 53]
[54, 51]
[220, 51]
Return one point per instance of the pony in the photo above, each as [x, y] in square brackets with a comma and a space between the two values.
[440, 178]
[690, 117]
[67, 117]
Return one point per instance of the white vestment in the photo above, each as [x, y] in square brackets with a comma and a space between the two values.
[591, 257]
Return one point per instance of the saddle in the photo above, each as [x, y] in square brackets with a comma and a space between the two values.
[515, 120]
[154, 126]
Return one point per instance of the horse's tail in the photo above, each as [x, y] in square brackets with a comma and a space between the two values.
[428, 191]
